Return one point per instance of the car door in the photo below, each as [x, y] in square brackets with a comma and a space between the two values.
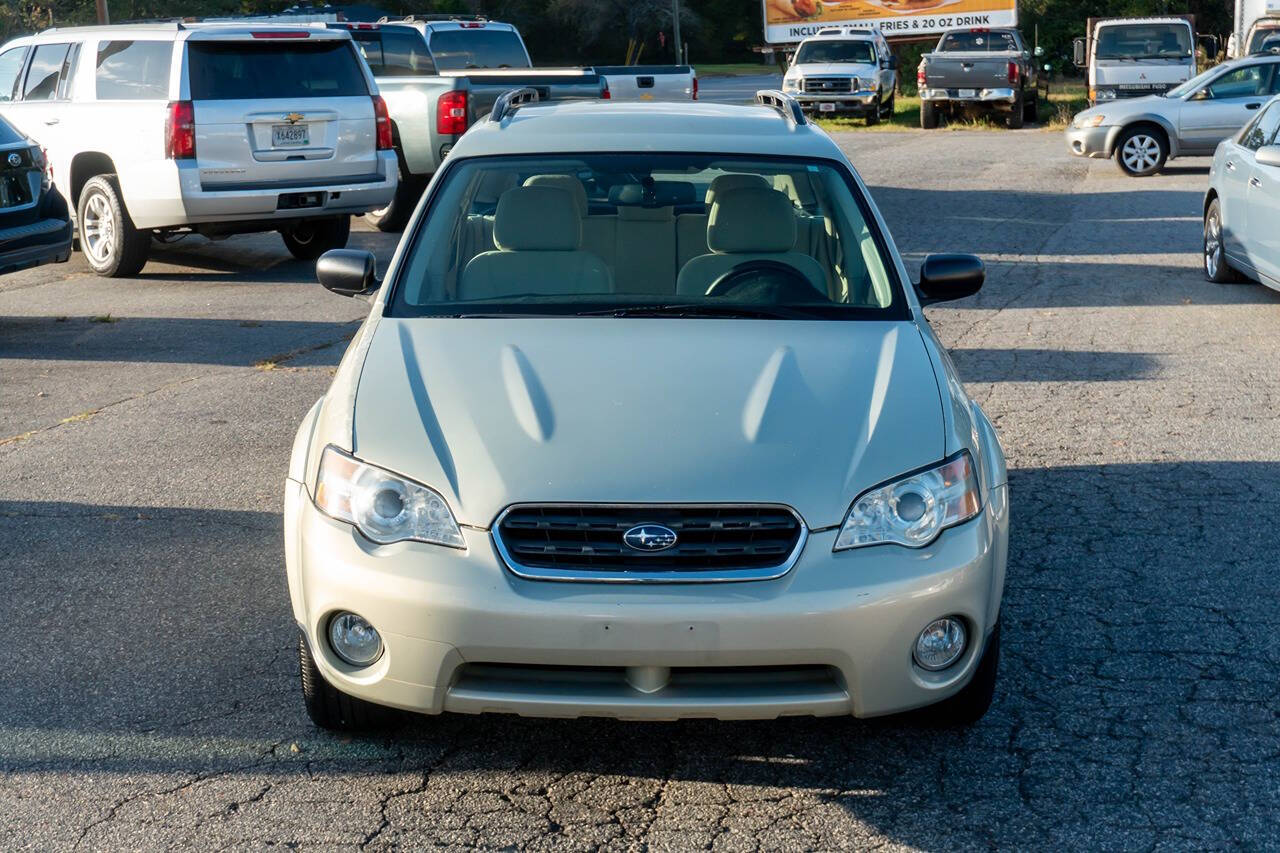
[1238, 232]
[1262, 237]
[1221, 107]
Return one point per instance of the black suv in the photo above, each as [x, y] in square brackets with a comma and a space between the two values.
[35, 227]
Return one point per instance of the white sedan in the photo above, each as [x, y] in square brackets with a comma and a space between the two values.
[1243, 203]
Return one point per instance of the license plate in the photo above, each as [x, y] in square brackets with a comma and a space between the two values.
[826, 108]
[968, 93]
[290, 134]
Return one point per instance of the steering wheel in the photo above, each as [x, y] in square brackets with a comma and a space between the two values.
[772, 281]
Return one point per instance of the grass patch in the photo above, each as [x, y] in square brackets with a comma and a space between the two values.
[735, 69]
[104, 318]
[1064, 101]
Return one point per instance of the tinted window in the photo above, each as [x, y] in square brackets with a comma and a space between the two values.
[46, 69]
[284, 68]
[1242, 82]
[477, 48]
[1144, 41]
[1263, 130]
[394, 52]
[836, 51]
[8, 135]
[978, 41]
[133, 70]
[10, 64]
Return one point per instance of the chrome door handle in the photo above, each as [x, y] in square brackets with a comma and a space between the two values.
[1231, 166]
[1254, 182]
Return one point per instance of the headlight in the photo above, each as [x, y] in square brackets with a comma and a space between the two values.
[791, 84]
[1104, 95]
[914, 509]
[383, 506]
[1090, 121]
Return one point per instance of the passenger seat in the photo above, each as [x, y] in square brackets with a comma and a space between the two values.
[538, 232]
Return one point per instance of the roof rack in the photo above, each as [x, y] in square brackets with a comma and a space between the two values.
[787, 106]
[509, 102]
[422, 19]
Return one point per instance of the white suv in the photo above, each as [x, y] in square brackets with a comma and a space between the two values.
[216, 129]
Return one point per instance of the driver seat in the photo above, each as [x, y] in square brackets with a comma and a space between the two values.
[748, 224]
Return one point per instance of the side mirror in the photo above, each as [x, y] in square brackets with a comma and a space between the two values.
[947, 277]
[1202, 95]
[1267, 155]
[893, 63]
[348, 272]
[1078, 57]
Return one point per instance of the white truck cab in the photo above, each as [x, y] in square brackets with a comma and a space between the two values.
[1133, 57]
[847, 69]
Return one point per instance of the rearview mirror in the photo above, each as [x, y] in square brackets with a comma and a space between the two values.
[1078, 57]
[348, 272]
[1267, 155]
[950, 276]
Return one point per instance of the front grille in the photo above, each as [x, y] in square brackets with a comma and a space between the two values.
[829, 85]
[586, 542]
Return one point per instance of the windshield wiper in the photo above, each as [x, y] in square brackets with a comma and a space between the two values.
[692, 309]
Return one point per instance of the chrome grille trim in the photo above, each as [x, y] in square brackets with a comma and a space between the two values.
[651, 576]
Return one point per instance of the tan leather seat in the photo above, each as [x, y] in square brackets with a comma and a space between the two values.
[538, 232]
[746, 224]
[599, 231]
[691, 228]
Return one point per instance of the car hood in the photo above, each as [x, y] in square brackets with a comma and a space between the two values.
[1122, 108]
[832, 69]
[492, 412]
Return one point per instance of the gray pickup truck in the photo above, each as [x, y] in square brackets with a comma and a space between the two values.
[980, 69]
[437, 77]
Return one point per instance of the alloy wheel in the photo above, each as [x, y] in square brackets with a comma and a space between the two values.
[98, 230]
[1212, 244]
[1141, 153]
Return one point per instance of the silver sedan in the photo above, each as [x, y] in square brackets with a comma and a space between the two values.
[1142, 134]
[1242, 205]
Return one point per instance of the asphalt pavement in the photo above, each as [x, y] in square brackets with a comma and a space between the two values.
[740, 89]
[148, 692]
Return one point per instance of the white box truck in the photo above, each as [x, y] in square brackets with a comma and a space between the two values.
[1256, 28]
[1132, 57]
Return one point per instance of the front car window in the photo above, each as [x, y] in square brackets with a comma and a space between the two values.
[978, 41]
[1249, 81]
[690, 233]
[11, 62]
[836, 51]
[1144, 41]
[475, 47]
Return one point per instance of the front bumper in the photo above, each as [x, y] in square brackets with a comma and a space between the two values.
[862, 101]
[462, 633]
[1089, 141]
[979, 96]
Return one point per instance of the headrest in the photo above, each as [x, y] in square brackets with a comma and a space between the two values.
[568, 183]
[492, 185]
[733, 181]
[660, 194]
[751, 219]
[800, 191]
[537, 219]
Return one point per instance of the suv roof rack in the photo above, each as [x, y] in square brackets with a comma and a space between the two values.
[422, 19]
[787, 106]
[510, 101]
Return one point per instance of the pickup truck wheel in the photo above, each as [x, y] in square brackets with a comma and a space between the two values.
[1017, 115]
[111, 244]
[1141, 151]
[873, 117]
[888, 109]
[1216, 267]
[974, 699]
[330, 708]
[395, 215]
[928, 115]
[311, 238]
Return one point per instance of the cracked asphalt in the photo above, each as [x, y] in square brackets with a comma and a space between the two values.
[148, 678]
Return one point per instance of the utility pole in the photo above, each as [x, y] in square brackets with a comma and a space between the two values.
[675, 25]
[103, 16]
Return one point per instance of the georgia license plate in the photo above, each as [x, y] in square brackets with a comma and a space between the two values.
[826, 108]
[968, 93]
[290, 134]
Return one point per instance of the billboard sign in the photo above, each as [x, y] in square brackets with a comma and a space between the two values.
[789, 21]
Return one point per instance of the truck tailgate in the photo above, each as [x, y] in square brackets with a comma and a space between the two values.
[552, 85]
[966, 71]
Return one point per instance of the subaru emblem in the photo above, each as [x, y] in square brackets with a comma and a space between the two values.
[650, 537]
[15, 159]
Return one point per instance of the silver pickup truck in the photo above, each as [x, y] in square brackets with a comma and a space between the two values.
[438, 75]
[649, 82]
[982, 69]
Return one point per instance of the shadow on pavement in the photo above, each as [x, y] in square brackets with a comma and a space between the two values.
[1137, 691]
[1043, 365]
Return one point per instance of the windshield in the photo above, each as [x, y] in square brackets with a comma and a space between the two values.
[1144, 41]
[648, 235]
[1264, 39]
[978, 41]
[477, 48]
[394, 52]
[836, 51]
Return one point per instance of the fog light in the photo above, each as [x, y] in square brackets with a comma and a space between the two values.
[940, 644]
[354, 640]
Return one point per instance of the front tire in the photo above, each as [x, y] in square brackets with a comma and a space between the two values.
[1141, 151]
[928, 115]
[1216, 267]
[330, 708]
[974, 699]
[873, 117]
[111, 244]
[1017, 116]
[311, 238]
